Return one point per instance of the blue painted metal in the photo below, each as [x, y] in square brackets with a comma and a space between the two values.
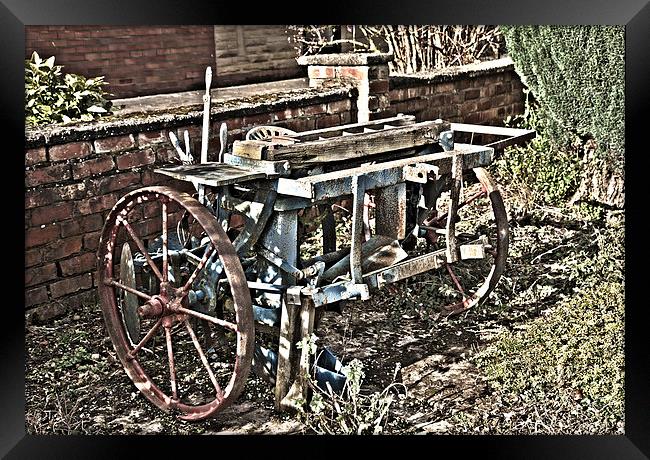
[328, 369]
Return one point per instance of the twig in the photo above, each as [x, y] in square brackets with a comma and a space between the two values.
[548, 252]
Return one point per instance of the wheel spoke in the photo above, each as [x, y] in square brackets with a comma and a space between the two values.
[172, 367]
[472, 198]
[146, 338]
[165, 273]
[217, 321]
[140, 245]
[204, 360]
[112, 282]
[198, 268]
[161, 373]
[455, 279]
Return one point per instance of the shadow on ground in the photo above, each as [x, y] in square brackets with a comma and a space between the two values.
[74, 383]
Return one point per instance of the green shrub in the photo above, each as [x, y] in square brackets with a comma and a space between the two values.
[539, 172]
[578, 75]
[54, 97]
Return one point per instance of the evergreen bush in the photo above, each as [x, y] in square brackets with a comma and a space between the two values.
[578, 75]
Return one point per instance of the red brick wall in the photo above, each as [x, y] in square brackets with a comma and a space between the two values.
[71, 187]
[140, 60]
[486, 98]
[135, 60]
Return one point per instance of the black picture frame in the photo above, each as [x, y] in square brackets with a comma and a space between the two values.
[634, 14]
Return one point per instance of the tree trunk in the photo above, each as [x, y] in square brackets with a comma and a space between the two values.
[601, 183]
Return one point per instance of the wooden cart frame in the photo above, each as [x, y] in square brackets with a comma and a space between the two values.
[228, 261]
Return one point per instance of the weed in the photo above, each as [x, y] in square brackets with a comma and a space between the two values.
[351, 411]
[538, 173]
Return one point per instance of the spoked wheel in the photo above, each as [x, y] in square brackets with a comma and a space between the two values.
[185, 266]
[482, 235]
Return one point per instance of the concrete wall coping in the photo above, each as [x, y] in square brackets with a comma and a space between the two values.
[182, 115]
[335, 59]
[398, 80]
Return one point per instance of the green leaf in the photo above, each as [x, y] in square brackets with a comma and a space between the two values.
[54, 97]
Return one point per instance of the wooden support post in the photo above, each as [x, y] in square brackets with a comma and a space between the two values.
[358, 192]
[329, 229]
[299, 391]
[286, 350]
[390, 211]
[456, 177]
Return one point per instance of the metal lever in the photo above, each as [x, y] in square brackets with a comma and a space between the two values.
[205, 134]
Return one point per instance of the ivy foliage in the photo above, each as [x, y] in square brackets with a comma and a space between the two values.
[54, 97]
[577, 73]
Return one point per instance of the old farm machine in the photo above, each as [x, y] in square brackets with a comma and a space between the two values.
[197, 289]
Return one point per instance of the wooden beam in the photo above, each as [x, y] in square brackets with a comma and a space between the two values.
[286, 349]
[359, 145]
[454, 195]
[358, 193]
[400, 120]
[253, 149]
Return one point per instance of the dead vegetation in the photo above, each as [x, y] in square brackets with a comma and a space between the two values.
[416, 48]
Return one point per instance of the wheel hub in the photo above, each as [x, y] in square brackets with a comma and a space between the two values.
[153, 307]
[161, 305]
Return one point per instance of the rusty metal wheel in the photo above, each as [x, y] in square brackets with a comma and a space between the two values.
[182, 269]
[483, 236]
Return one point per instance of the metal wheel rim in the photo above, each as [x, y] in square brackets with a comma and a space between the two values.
[499, 214]
[240, 293]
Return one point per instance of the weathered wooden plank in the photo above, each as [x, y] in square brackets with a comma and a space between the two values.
[212, 174]
[495, 130]
[253, 149]
[400, 120]
[359, 145]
